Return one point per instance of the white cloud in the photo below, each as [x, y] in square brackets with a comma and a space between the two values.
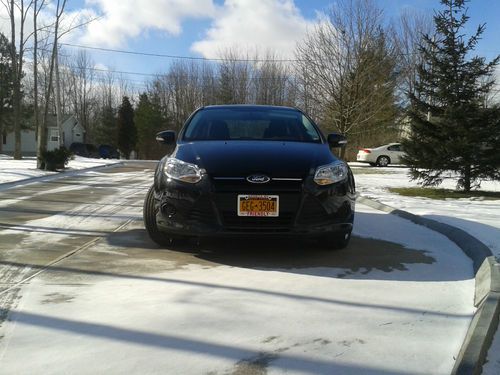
[126, 19]
[262, 25]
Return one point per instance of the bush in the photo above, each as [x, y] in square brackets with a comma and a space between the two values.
[55, 159]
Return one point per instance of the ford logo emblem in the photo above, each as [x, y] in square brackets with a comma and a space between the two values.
[258, 179]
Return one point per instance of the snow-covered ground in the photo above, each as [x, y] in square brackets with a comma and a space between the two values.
[15, 170]
[205, 317]
[397, 306]
[479, 217]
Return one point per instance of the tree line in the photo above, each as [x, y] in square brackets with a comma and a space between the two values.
[355, 72]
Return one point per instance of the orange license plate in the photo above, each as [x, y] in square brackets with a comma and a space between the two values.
[258, 205]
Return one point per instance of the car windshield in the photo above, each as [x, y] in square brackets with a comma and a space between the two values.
[251, 124]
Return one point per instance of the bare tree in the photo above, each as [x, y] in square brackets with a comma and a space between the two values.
[411, 27]
[234, 78]
[271, 80]
[37, 7]
[83, 89]
[346, 64]
[42, 139]
[21, 8]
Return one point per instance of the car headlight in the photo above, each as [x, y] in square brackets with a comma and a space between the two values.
[180, 170]
[331, 173]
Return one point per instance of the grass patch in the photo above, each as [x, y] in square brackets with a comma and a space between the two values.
[370, 170]
[444, 193]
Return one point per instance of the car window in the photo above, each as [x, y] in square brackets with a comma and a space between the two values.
[251, 124]
[394, 148]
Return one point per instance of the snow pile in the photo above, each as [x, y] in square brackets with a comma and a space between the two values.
[16, 170]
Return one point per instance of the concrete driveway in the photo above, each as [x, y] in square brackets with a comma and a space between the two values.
[83, 290]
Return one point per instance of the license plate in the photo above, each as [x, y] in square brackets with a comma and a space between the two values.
[258, 205]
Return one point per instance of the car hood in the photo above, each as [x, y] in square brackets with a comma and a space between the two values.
[242, 158]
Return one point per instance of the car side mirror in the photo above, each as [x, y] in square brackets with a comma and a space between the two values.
[166, 137]
[336, 140]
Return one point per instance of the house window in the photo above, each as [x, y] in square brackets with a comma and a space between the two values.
[54, 138]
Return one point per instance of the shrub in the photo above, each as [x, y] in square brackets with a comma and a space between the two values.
[55, 159]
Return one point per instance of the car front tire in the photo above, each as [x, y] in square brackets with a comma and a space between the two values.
[337, 241]
[149, 215]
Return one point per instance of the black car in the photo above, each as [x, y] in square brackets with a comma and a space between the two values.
[84, 149]
[108, 152]
[245, 170]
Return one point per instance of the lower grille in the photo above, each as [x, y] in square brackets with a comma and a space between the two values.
[234, 222]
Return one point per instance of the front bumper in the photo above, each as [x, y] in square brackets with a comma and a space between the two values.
[209, 208]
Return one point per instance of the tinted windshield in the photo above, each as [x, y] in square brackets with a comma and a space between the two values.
[251, 124]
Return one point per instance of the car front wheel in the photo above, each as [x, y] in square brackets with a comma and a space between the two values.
[149, 214]
[337, 241]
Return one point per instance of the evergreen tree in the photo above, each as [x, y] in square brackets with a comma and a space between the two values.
[127, 133]
[107, 131]
[149, 121]
[6, 84]
[451, 130]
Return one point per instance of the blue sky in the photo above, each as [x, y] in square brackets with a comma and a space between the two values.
[200, 27]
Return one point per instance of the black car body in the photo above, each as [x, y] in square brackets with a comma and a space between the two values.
[108, 152]
[232, 165]
[84, 149]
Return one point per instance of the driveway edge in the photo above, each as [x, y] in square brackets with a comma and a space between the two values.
[484, 324]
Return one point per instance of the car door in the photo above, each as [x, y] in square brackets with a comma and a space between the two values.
[394, 153]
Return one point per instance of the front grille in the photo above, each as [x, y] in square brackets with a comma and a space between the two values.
[240, 186]
[226, 200]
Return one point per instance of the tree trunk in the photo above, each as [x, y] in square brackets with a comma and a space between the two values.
[466, 178]
[35, 82]
[58, 90]
[15, 80]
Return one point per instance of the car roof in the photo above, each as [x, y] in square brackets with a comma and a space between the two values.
[249, 106]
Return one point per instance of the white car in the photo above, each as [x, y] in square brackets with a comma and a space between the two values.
[381, 156]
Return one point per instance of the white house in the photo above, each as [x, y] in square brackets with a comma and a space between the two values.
[72, 132]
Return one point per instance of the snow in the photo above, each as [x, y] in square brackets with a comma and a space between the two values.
[156, 316]
[479, 217]
[127, 314]
[221, 318]
[16, 170]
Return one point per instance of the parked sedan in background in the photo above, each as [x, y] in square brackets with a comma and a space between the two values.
[382, 156]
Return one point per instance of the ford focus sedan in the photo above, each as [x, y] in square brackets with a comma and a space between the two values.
[244, 170]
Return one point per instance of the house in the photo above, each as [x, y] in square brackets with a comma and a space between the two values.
[72, 132]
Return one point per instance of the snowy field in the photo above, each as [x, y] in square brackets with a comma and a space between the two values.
[479, 217]
[397, 301]
[16, 170]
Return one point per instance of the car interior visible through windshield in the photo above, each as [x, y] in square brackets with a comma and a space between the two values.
[224, 125]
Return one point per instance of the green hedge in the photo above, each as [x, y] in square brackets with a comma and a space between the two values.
[55, 159]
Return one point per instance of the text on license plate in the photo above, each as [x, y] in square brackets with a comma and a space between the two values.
[258, 205]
